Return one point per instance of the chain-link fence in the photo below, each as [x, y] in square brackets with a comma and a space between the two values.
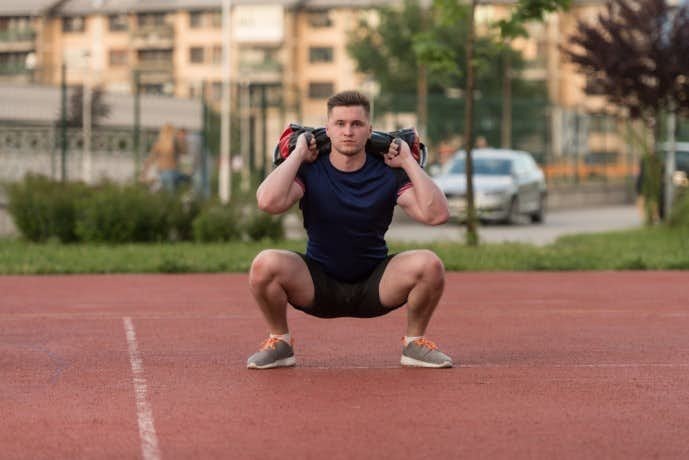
[571, 144]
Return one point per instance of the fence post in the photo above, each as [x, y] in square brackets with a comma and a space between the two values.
[63, 122]
[137, 126]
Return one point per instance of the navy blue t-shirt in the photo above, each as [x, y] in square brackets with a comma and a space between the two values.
[346, 214]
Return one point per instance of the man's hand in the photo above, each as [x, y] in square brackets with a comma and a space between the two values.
[306, 145]
[398, 153]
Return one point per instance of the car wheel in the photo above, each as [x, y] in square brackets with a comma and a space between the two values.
[539, 216]
[513, 213]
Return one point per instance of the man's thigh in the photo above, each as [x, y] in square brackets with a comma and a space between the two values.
[291, 272]
[404, 271]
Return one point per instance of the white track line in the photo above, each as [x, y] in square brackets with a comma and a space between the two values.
[512, 366]
[147, 432]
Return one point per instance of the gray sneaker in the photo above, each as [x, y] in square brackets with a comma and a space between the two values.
[424, 353]
[273, 353]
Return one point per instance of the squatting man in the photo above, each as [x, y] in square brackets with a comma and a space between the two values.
[347, 198]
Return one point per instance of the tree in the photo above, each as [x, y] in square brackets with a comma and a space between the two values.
[395, 49]
[636, 54]
[526, 10]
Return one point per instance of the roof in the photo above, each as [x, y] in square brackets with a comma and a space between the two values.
[26, 7]
[74, 7]
[41, 104]
[83, 7]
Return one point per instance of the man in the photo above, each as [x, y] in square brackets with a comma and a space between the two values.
[347, 199]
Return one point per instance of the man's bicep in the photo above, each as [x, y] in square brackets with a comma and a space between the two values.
[407, 201]
[296, 191]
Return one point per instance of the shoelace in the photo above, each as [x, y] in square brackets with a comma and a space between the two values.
[422, 342]
[270, 342]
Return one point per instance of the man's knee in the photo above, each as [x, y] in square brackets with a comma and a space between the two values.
[433, 267]
[265, 267]
[430, 267]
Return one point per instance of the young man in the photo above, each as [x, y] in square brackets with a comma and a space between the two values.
[347, 200]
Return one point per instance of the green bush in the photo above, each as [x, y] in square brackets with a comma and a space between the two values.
[679, 217]
[119, 214]
[181, 213]
[216, 223]
[42, 208]
[261, 226]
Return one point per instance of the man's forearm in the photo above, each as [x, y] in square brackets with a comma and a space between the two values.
[273, 191]
[431, 200]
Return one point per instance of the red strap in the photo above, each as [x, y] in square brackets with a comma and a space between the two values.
[284, 142]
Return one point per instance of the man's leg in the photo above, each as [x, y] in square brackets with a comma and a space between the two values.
[278, 277]
[419, 277]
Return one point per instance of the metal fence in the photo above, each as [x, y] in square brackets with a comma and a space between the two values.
[36, 149]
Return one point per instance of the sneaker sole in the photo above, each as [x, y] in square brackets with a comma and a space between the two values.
[287, 362]
[406, 361]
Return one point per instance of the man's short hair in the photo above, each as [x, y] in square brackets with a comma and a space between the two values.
[349, 99]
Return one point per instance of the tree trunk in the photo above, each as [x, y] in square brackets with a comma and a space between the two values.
[506, 125]
[422, 102]
[422, 87]
[471, 232]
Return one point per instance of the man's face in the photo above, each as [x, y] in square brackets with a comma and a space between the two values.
[348, 128]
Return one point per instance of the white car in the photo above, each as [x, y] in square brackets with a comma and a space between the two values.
[507, 184]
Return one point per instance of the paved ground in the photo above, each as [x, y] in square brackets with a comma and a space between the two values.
[550, 365]
[558, 223]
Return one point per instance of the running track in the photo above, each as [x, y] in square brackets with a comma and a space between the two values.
[552, 365]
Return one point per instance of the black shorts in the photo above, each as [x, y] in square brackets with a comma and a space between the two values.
[336, 299]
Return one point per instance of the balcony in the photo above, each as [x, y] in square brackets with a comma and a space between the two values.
[268, 71]
[155, 71]
[13, 69]
[153, 37]
[17, 40]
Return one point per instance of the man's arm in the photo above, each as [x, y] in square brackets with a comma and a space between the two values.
[424, 201]
[279, 191]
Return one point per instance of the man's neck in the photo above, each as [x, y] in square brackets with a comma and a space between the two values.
[347, 163]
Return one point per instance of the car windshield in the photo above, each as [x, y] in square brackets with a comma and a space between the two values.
[682, 160]
[484, 166]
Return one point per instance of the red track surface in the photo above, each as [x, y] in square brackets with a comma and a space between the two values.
[552, 365]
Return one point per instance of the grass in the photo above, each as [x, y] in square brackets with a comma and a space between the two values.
[657, 248]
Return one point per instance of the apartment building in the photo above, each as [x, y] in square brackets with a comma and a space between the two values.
[288, 55]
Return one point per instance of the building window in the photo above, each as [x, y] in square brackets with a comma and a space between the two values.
[320, 54]
[118, 58]
[215, 19]
[15, 23]
[159, 56]
[196, 19]
[196, 55]
[150, 19]
[216, 55]
[73, 24]
[12, 63]
[259, 59]
[318, 19]
[321, 90]
[117, 22]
